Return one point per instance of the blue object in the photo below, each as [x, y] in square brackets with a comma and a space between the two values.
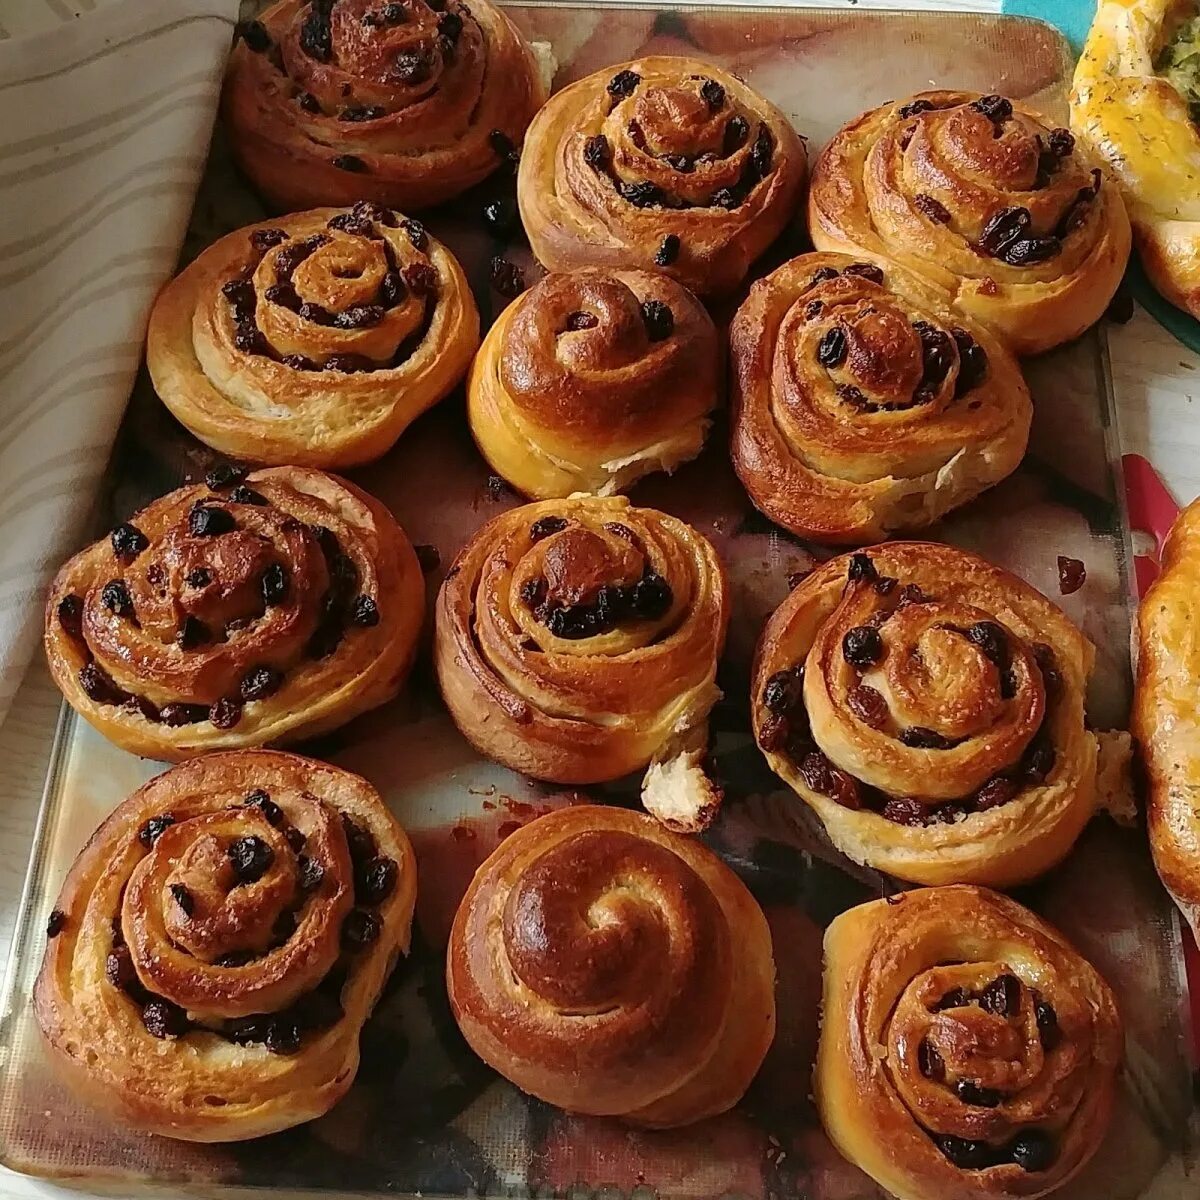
[1073, 18]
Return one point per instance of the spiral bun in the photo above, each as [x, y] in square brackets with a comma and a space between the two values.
[967, 1051]
[667, 162]
[220, 942]
[577, 641]
[930, 708]
[252, 609]
[593, 379]
[862, 406]
[314, 339]
[407, 103]
[1005, 215]
[611, 967]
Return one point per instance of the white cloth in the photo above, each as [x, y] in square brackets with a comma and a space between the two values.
[105, 130]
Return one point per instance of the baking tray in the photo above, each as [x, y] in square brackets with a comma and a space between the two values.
[425, 1116]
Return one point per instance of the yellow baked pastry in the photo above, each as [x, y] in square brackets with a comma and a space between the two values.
[1136, 100]
[929, 707]
[220, 942]
[862, 405]
[612, 967]
[245, 610]
[407, 104]
[592, 379]
[1012, 221]
[577, 641]
[314, 339]
[663, 162]
[968, 1051]
[1165, 707]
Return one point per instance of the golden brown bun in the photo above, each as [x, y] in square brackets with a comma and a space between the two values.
[731, 191]
[230, 616]
[355, 107]
[577, 641]
[862, 405]
[925, 180]
[929, 707]
[575, 389]
[193, 1001]
[314, 339]
[1166, 701]
[933, 991]
[611, 967]
[1140, 124]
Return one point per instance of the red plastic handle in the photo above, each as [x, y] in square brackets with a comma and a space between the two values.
[1152, 511]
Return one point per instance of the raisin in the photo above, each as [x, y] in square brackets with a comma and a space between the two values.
[970, 1092]
[773, 734]
[1048, 666]
[175, 715]
[821, 274]
[411, 67]
[652, 597]
[364, 612]
[935, 210]
[296, 838]
[56, 922]
[533, 592]
[274, 584]
[1032, 1150]
[860, 567]
[394, 14]
[954, 998]
[868, 706]
[261, 800]
[885, 585]
[245, 1031]
[992, 641]
[450, 26]
[783, 691]
[865, 271]
[184, 898]
[680, 163]
[120, 972]
[964, 1153]
[206, 521]
[813, 309]
[359, 316]
[852, 395]
[930, 1062]
[996, 108]
[832, 348]
[359, 929]
[260, 682]
[359, 840]
[308, 102]
[283, 1037]
[596, 152]
[250, 857]
[905, 810]
[362, 112]
[97, 685]
[862, 646]
[913, 108]
[543, 527]
[994, 793]
[641, 194]
[581, 320]
[713, 94]
[254, 34]
[726, 198]
[311, 873]
[235, 958]
[507, 278]
[1038, 762]
[392, 291]
[623, 83]
[1002, 996]
[114, 595]
[972, 362]
[1047, 1023]
[500, 216]
[263, 240]
[1061, 143]
[1027, 251]
[1072, 574]
[348, 162]
[920, 738]
[377, 880]
[910, 593]
[658, 319]
[163, 1019]
[225, 713]
[668, 250]
[316, 37]
[128, 541]
[827, 780]
[737, 130]
[761, 155]
[191, 633]
[1005, 227]
[152, 829]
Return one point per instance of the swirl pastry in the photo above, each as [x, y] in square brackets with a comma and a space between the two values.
[1003, 213]
[404, 102]
[245, 610]
[1164, 714]
[577, 641]
[220, 942]
[314, 340]
[593, 379]
[611, 967]
[861, 406]
[929, 707]
[1136, 100]
[967, 1051]
[663, 162]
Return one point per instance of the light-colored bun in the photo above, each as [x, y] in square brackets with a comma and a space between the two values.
[577, 641]
[611, 967]
[591, 380]
[1005, 215]
[313, 340]
[862, 405]
[332, 103]
[237, 613]
[929, 707]
[656, 149]
[967, 1052]
[220, 942]
[1165, 707]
